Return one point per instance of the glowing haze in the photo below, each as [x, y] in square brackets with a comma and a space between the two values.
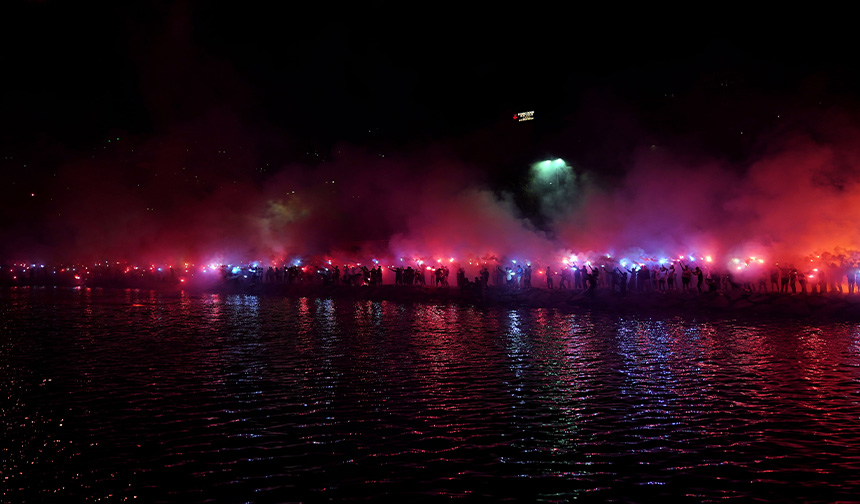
[143, 202]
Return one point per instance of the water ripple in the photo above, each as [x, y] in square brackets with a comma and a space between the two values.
[112, 396]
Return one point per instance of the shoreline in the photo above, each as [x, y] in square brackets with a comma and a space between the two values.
[766, 305]
[736, 303]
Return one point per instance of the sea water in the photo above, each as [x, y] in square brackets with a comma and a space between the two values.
[140, 396]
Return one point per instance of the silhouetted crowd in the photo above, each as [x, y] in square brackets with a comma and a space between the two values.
[619, 278]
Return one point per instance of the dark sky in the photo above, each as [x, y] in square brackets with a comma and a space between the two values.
[74, 75]
[110, 84]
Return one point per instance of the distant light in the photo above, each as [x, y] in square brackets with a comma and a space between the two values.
[524, 116]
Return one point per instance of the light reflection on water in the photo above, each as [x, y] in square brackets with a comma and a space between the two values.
[115, 394]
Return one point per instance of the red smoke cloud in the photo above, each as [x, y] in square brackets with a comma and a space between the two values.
[199, 195]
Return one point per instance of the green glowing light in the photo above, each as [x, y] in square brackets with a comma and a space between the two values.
[551, 172]
[548, 165]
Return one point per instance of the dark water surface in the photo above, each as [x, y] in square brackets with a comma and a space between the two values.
[112, 396]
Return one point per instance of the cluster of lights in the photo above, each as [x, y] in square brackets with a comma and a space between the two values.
[185, 271]
[742, 264]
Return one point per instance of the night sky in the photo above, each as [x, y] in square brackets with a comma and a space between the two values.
[123, 124]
